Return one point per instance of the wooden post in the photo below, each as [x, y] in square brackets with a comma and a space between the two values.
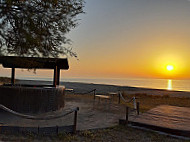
[13, 76]
[127, 115]
[75, 121]
[94, 94]
[55, 77]
[119, 98]
[38, 129]
[57, 130]
[138, 108]
[58, 76]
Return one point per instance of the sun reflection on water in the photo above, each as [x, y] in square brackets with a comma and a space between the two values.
[169, 84]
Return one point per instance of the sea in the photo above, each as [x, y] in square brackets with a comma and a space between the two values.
[168, 84]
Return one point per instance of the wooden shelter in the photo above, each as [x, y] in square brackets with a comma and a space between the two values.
[33, 98]
[35, 63]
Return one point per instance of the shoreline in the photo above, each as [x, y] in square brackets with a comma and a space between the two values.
[80, 87]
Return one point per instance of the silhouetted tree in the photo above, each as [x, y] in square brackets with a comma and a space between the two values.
[37, 27]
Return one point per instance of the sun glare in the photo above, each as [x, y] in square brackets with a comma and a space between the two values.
[170, 67]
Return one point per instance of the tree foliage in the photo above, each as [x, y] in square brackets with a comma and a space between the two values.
[37, 27]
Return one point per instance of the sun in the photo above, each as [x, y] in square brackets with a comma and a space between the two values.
[170, 67]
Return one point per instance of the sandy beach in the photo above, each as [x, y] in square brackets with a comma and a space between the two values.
[80, 88]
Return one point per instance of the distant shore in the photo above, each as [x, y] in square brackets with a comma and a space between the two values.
[103, 89]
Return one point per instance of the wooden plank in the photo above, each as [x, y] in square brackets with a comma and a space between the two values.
[169, 119]
[167, 116]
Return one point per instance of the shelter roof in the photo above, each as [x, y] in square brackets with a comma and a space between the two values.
[33, 62]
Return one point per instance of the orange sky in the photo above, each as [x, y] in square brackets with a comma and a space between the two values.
[125, 38]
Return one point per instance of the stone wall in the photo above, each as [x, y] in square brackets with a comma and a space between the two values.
[32, 99]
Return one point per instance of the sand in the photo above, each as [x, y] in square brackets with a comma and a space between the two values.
[80, 88]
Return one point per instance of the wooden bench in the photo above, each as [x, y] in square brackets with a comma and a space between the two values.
[69, 90]
[113, 94]
[103, 97]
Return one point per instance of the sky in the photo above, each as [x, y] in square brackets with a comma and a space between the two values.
[128, 39]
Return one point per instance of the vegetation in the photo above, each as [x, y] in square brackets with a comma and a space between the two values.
[4, 80]
[114, 134]
[37, 27]
[148, 102]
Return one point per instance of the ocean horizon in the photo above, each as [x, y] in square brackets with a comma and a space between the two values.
[168, 84]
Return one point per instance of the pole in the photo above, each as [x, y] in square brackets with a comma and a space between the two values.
[38, 129]
[55, 77]
[138, 108]
[58, 76]
[119, 99]
[134, 103]
[57, 130]
[94, 94]
[75, 121]
[13, 76]
[127, 116]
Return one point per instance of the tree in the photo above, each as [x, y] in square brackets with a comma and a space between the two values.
[37, 27]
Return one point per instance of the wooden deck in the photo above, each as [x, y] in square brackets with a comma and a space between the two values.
[165, 118]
